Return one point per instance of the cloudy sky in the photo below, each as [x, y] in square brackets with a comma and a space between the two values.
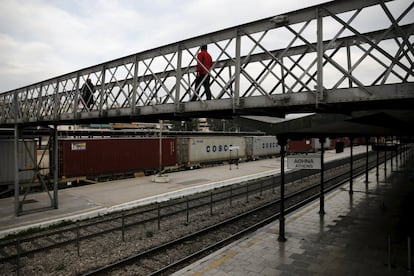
[41, 39]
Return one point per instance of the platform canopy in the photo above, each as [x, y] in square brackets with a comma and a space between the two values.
[363, 123]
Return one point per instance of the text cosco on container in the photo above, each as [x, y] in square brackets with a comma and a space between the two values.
[219, 148]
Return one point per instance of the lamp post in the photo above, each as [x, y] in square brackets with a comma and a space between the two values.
[160, 159]
[159, 178]
[235, 148]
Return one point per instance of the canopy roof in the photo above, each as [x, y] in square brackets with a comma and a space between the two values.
[366, 123]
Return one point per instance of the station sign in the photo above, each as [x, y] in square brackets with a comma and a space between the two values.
[304, 162]
[78, 146]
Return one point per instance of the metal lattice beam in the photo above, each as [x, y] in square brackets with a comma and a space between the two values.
[316, 52]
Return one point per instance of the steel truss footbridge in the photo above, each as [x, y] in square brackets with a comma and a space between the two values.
[340, 56]
[336, 56]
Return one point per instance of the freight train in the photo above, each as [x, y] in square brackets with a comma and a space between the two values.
[106, 158]
[93, 157]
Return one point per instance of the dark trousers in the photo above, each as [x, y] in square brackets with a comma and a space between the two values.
[206, 85]
[88, 99]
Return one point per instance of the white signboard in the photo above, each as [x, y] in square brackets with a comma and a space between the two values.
[78, 146]
[304, 162]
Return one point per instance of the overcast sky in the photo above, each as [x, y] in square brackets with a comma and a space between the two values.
[41, 39]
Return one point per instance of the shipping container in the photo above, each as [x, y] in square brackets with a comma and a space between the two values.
[304, 145]
[199, 150]
[27, 161]
[308, 145]
[260, 146]
[43, 160]
[100, 156]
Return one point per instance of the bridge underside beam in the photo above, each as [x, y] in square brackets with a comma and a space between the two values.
[372, 123]
[344, 101]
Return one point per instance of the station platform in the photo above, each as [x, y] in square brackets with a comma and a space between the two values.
[89, 201]
[365, 233]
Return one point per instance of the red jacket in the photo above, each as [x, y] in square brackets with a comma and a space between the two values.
[204, 58]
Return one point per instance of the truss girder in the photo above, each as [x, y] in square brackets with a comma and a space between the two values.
[273, 57]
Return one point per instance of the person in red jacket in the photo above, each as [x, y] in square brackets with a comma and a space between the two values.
[204, 63]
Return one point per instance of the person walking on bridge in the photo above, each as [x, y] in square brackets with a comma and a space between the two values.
[87, 91]
[204, 63]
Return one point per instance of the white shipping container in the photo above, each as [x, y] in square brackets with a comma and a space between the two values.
[258, 146]
[210, 149]
[25, 161]
[43, 160]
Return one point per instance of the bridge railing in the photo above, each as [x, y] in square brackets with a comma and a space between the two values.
[340, 44]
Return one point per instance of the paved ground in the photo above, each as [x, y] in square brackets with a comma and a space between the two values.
[352, 238]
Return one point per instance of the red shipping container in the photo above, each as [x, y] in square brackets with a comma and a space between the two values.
[304, 145]
[98, 156]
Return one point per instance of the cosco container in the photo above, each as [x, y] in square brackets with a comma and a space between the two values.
[27, 161]
[260, 146]
[198, 150]
[100, 156]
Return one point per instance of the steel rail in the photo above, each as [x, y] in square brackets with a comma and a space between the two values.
[237, 194]
[264, 222]
[337, 183]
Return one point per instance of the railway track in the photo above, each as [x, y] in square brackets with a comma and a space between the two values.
[13, 249]
[171, 256]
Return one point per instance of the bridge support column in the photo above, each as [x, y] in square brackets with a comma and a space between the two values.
[35, 182]
[322, 192]
[282, 143]
[351, 169]
[16, 171]
[55, 168]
